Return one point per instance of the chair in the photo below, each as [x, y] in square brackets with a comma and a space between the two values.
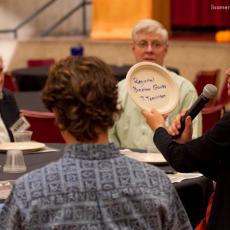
[203, 223]
[43, 126]
[40, 62]
[120, 72]
[210, 115]
[205, 77]
[173, 69]
[224, 98]
[9, 82]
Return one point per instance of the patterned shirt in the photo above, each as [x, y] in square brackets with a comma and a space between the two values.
[132, 131]
[94, 187]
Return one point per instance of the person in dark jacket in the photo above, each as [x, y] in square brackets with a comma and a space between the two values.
[9, 112]
[208, 154]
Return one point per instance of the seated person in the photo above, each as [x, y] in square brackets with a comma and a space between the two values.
[208, 154]
[9, 112]
[149, 43]
[93, 186]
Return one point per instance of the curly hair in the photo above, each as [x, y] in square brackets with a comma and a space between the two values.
[83, 92]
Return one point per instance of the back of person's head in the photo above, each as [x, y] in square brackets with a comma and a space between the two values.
[83, 93]
[149, 26]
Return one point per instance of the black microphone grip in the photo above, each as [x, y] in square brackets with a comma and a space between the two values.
[192, 112]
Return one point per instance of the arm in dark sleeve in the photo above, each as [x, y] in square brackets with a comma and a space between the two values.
[203, 154]
[196, 155]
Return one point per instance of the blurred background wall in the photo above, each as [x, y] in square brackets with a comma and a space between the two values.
[192, 47]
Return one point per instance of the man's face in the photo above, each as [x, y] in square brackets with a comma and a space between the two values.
[1, 74]
[149, 47]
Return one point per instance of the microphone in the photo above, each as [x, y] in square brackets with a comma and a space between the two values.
[209, 92]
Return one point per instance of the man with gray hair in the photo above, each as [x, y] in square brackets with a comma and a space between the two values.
[149, 43]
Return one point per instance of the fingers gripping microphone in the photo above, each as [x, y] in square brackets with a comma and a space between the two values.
[209, 92]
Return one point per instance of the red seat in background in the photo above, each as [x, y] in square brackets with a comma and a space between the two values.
[40, 62]
[224, 98]
[9, 82]
[43, 126]
[206, 77]
[210, 115]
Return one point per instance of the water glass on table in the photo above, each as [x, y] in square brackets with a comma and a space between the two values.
[20, 136]
[14, 162]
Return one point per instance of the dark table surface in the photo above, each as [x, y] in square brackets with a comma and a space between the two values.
[31, 79]
[194, 193]
[30, 100]
[34, 78]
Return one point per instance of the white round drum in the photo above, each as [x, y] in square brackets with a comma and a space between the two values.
[151, 86]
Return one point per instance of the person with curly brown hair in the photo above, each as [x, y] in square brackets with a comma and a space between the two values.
[93, 186]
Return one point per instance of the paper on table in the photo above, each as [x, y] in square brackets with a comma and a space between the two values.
[144, 157]
[178, 177]
[47, 149]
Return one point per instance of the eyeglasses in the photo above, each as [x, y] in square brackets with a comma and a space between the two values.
[145, 44]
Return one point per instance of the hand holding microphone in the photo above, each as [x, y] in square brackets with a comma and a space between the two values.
[209, 92]
[186, 135]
